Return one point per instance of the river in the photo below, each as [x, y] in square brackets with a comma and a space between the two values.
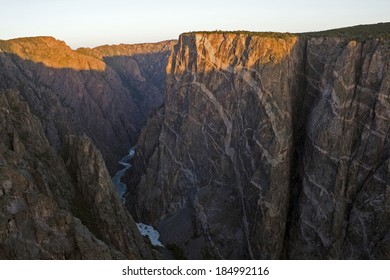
[145, 230]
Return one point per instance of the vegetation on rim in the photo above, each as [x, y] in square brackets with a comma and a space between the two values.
[358, 32]
[276, 35]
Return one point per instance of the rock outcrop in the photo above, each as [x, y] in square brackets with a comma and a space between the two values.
[105, 93]
[56, 210]
[269, 146]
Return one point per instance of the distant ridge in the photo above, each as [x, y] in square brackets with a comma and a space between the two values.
[357, 32]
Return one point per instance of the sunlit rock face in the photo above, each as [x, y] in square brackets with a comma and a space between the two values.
[105, 93]
[51, 53]
[269, 146]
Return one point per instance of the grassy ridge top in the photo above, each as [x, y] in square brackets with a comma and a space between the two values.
[358, 32]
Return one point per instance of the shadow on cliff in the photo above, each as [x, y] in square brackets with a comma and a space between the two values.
[184, 168]
[151, 65]
[104, 104]
[144, 75]
[269, 157]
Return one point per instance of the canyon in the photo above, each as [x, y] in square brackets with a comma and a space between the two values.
[68, 117]
[105, 92]
[247, 146]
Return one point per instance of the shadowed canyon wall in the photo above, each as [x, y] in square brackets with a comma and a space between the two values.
[56, 196]
[105, 93]
[269, 146]
[55, 207]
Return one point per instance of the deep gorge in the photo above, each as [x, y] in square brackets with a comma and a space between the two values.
[249, 145]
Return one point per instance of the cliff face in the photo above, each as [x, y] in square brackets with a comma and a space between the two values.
[343, 208]
[53, 210]
[141, 68]
[105, 92]
[269, 147]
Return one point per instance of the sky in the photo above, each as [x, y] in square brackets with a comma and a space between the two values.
[89, 23]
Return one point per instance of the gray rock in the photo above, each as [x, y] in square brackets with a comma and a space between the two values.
[40, 215]
[269, 158]
[106, 92]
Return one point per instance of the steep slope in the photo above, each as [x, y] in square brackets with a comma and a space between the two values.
[75, 92]
[141, 68]
[343, 208]
[50, 210]
[269, 146]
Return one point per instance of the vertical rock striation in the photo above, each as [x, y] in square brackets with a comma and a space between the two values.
[269, 146]
[343, 207]
[225, 145]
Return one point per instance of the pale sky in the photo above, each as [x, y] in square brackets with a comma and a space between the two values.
[89, 23]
